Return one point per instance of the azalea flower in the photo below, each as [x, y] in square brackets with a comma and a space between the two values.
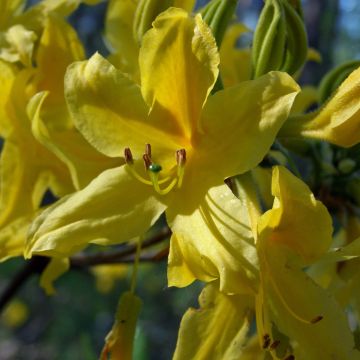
[294, 233]
[42, 149]
[189, 143]
[296, 318]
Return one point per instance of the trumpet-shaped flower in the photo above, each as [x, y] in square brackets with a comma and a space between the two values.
[295, 231]
[41, 147]
[189, 143]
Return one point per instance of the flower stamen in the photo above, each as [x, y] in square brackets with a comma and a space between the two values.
[153, 170]
[181, 161]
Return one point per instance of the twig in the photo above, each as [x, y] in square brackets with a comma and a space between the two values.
[35, 265]
[111, 257]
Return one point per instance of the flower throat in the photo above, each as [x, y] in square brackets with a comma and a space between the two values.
[153, 170]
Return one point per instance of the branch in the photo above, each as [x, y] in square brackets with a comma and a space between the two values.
[119, 256]
[37, 264]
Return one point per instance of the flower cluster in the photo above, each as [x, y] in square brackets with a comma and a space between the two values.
[178, 121]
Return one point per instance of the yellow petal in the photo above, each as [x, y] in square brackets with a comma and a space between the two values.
[18, 184]
[59, 46]
[112, 209]
[8, 9]
[20, 45]
[119, 35]
[248, 116]
[83, 161]
[235, 63]
[109, 111]
[301, 310]
[297, 219]
[120, 340]
[13, 236]
[338, 121]
[52, 272]
[217, 330]
[7, 77]
[178, 66]
[212, 242]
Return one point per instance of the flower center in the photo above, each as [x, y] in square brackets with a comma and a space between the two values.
[173, 178]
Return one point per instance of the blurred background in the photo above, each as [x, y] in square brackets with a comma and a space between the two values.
[73, 323]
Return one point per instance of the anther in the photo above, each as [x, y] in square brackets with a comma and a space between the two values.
[180, 160]
[147, 161]
[266, 341]
[181, 157]
[128, 156]
[274, 345]
[316, 319]
[148, 150]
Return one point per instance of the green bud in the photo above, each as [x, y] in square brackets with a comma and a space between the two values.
[346, 166]
[145, 14]
[334, 78]
[280, 40]
[217, 14]
[296, 4]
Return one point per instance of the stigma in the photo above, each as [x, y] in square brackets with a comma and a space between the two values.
[172, 178]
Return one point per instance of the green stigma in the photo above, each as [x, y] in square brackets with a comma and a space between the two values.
[155, 168]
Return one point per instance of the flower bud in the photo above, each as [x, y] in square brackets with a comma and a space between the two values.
[217, 14]
[280, 40]
[146, 12]
[334, 78]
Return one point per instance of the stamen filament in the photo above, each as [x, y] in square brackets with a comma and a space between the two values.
[145, 181]
[180, 174]
[155, 182]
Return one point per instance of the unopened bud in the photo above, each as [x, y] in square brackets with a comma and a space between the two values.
[146, 12]
[333, 79]
[280, 40]
[217, 14]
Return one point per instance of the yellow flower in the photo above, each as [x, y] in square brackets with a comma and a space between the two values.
[42, 146]
[213, 137]
[218, 329]
[297, 231]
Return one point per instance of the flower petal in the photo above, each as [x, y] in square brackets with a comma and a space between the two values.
[51, 130]
[13, 236]
[302, 310]
[297, 220]
[235, 63]
[112, 209]
[178, 67]
[248, 116]
[55, 268]
[217, 330]
[119, 35]
[109, 111]
[59, 46]
[212, 242]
